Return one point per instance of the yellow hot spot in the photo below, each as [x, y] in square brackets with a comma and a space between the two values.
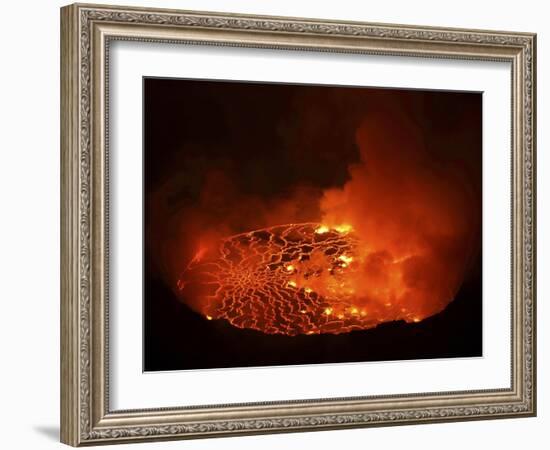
[343, 228]
[290, 268]
[208, 317]
[308, 290]
[354, 310]
[363, 313]
[322, 229]
[345, 259]
[302, 311]
[340, 316]
[310, 332]
[291, 283]
[416, 319]
[328, 311]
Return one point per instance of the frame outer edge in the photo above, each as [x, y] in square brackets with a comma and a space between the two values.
[535, 322]
[533, 217]
[70, 299]
[82, 413]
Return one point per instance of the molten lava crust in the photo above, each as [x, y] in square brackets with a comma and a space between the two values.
[292, 279]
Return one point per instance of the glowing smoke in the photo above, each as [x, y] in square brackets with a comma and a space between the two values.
[418, 220]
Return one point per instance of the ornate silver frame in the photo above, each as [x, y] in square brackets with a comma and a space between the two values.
[86, 31]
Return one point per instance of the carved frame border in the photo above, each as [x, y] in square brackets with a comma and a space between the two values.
[86, 31]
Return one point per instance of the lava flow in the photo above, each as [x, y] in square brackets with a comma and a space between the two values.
[294, 279]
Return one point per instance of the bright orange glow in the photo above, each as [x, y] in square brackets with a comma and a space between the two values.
[199, 255]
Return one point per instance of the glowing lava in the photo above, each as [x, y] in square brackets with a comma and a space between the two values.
[297, 279]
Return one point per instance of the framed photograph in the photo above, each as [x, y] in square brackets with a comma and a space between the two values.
[275, 224]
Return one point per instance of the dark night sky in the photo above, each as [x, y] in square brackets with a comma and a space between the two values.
[277, 130]
[269, 140]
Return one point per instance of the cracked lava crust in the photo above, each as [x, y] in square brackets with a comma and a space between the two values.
[291, 279]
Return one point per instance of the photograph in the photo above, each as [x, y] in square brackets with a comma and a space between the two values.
[290, 224]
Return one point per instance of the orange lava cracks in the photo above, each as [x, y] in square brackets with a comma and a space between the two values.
[297, 279]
